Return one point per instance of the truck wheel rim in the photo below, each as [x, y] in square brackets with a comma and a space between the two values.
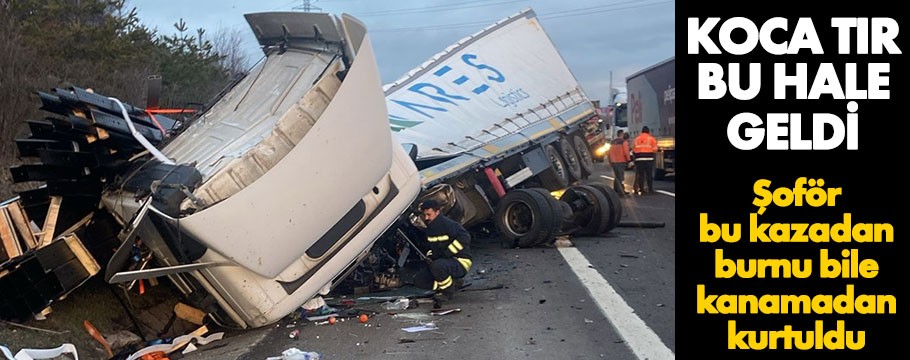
[583, 153]
[557, 164]
[519, 218]
[568, 154]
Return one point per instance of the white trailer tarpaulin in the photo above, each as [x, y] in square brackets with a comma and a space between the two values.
[484, 87]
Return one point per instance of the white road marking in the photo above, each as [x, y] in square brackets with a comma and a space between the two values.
[658, 191]
[637, 335]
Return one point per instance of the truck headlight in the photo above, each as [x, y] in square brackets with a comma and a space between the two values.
[602, 150]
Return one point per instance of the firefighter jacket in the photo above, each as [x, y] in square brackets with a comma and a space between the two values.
[448, 239]
[645, 146]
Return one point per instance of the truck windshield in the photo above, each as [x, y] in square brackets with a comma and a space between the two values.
[620, 115]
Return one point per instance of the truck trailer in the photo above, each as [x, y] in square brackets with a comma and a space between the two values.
[652, 103]
[500, 122]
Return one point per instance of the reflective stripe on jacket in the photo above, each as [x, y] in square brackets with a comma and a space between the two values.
[645, 147]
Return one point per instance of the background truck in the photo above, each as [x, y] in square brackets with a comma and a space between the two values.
[652, 103]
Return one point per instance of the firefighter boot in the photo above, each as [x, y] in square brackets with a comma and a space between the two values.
[449, 293]
[458, 284]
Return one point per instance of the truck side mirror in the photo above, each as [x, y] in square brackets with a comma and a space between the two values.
[411, 149]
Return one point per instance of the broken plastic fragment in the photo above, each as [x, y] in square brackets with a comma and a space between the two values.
[296, 354]
[424, 327]
[37, 354]
[441, 312]
[189, 348]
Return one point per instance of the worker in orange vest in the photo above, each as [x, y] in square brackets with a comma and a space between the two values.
[619, 159]
[644, 148]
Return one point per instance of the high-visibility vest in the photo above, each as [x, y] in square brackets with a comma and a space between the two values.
[619, 151]
[645, 146]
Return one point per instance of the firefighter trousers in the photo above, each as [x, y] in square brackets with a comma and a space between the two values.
[440, 275]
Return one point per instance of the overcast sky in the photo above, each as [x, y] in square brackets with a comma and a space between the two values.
[594, 37]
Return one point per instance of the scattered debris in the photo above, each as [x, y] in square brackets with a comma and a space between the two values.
[628, 256]
[189, 348]
[95, 334]
[122, 339]
[418, 316]
[53, 270]
[323, 312]
[179, 343]
[33, 328]
[189, 313]
[315, 303]
[494, 287]
[588, 321]
[364, 318]
[38, 354]
[41, 316]
[660, 305]
[401, 303]
[387, 281]
[531, 341]
[294, 334]
[441, 312]
[563, 242]
[542, 301]
[296, 354]
[425, 327]
[408, 341]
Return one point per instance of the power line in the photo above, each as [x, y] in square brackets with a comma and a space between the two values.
[285, 5]
[551, 16]
[555, 15]
[437, 8]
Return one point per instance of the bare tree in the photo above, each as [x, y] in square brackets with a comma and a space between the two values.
[228, 43]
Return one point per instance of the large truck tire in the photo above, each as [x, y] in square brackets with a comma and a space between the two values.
[615, 203]
[569, 155]
[526, 217]
[563, 214]
[595, 218]
[556, 177]
[585, 159]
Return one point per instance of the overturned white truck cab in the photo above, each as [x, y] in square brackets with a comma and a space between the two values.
[270, 195]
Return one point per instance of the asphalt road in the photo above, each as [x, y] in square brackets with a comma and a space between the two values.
[552, 304]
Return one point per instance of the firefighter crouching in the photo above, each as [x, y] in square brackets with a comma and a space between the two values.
[450, 252]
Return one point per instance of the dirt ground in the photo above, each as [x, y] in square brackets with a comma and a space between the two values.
[96, 302]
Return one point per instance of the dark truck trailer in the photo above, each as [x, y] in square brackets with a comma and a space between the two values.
[652, 103]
